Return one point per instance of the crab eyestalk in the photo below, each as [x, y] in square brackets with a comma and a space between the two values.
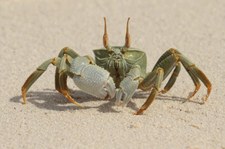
[127, 37]
[105, 37]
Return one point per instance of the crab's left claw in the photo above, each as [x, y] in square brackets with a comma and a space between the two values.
[126, 91]
[127, 87]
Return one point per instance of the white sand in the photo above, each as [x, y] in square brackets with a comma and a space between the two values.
[32, 31]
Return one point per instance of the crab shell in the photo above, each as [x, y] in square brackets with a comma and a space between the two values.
[130, 58]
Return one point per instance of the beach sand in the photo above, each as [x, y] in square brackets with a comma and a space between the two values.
[32, 31]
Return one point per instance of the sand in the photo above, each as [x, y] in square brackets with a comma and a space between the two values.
[32, 31]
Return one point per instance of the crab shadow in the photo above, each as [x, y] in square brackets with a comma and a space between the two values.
[52, 100]
[141, 94]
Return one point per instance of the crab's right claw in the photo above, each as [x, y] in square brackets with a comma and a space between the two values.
[92, 79]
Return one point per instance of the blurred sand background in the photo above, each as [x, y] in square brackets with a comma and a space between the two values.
[32, 31]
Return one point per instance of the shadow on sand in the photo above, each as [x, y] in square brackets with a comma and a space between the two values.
[52, 100]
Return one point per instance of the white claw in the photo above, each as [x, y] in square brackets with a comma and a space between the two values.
[92, 79]
[125, 102]
[126, 91]
[119, 95]
[110, 87]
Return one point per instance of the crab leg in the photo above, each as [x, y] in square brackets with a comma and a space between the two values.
[63, 69]
[164, 56]
[154, 79]
[157, 83]
[36, 74]
[195, 71]
[167, 62]
[167, 65]
[176, 73]
[172, 79]
[196, 83]
[71, 53]
[68, 51]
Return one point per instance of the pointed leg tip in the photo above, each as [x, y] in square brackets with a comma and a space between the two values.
[186, 100]
[78, 105]
[189, 98]
[24, 100]
[191, 94]
[75, 103]
[204, 99]
[82, 107]
[24, 95]
[162, 91]
[139, 112]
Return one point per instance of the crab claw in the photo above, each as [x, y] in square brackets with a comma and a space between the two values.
[92, 79]
[109, 88]
[126, 91]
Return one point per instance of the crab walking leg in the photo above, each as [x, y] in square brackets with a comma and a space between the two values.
[69, 55]
[196, 83]
[57, 87]
[164, 56]
[192, 70]
[172, 79]
[36, 74]
[63, 69]
[154, 79]
[167, 65]
[69, 52]
[197, 73]
[62, 81]
[157, 83]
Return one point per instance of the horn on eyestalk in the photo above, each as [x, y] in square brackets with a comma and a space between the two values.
[105, 37]
[127, 38]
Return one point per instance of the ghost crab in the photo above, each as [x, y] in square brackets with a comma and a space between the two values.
[118, 71]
